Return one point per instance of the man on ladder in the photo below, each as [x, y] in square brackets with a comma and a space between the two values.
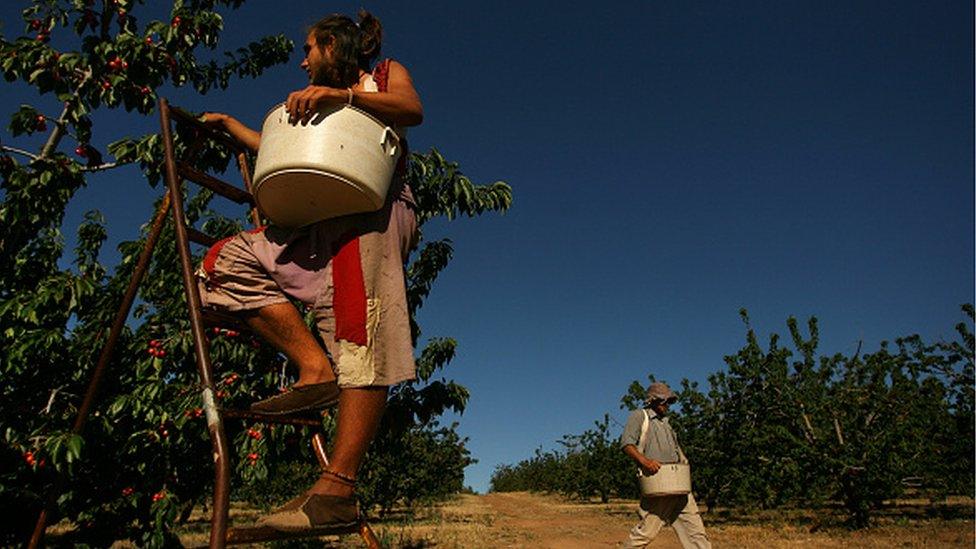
[347, 270]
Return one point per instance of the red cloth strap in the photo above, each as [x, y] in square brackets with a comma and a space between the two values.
[381, 75]
[349, 299]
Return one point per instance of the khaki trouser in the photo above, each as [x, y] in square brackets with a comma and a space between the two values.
[679, 512]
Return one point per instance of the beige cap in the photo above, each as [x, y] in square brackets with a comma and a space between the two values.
[660, 391]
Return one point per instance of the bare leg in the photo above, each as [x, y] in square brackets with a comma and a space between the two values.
[282, 326]
[360, 412]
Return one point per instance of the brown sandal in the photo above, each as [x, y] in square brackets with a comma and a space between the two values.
[313, 512]
[314, 396]
[316, 511]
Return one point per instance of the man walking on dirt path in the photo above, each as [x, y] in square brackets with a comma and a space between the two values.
[649, 440]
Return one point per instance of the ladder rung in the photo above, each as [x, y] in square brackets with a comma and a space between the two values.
[216, 185]
[264, 533]
[185, 117]
[201, 237]
[213, 317]
[268, 418]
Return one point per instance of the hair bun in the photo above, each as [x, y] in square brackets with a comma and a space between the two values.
[370, 37]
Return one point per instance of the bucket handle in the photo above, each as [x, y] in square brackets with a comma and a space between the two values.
[390, 141]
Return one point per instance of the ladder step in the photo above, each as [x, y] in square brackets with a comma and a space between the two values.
[253, 534]
[220, 319]
[216, 185]
[302, 418]
[201, 237]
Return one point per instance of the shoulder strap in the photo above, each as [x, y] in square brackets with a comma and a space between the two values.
[642, 442]
[381, 75]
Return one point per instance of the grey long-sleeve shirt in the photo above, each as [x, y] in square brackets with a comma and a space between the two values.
[662, 444]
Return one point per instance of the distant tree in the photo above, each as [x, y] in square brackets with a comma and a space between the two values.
[595, 465]
[543, 472]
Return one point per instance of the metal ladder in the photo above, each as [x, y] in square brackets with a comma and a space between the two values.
[175, 173]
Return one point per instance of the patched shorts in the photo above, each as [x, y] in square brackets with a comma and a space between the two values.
[348, 270]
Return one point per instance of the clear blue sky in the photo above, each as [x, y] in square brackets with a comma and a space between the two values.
[672, 162]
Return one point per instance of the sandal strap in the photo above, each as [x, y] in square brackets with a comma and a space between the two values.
[340, 477]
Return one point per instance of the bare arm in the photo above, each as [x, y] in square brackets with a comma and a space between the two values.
[650, 466]
[399, 105]
[250, 138]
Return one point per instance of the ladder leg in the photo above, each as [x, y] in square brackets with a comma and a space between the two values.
[215, 425]
[113, 337]
[369, 538]
[318, 445]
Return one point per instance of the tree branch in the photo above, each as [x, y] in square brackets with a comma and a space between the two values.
[103, 167]
[840, 436]
[32, 156]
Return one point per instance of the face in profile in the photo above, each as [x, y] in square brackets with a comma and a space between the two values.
[318, 63]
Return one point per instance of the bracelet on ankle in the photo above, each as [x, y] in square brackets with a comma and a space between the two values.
[341, 478]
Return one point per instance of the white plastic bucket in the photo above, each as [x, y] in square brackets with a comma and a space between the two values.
[671, 479]
[340, 162]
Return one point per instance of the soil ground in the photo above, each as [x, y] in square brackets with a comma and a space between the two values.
[520, 519]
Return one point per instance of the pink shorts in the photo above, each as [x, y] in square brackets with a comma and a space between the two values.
[348, 270]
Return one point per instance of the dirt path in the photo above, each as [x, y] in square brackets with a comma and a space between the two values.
[543, 522]
[520, 519]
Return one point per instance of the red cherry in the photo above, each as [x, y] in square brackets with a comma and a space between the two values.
[127, 491]
[197, 412]
[35, 24]
[42, 37]
[81, 151]
[176, 21]
[149, 41]
[216, 331]
[159, 495]
[29, 458]
[145, 90]
[252, 456]
[154, 343]
[160, 353]
[233, 333]
[106, 85]
[40, 123]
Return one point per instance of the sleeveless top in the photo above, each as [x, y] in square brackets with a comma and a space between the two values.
[377, 81]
